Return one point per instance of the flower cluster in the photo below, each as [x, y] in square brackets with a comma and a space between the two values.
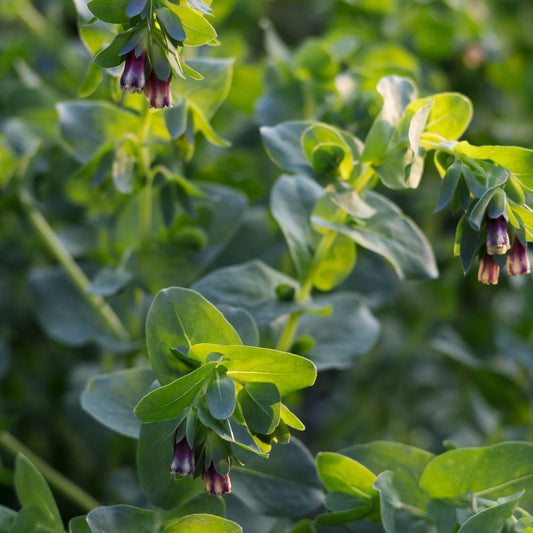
[133, 80]
[183, 464]
[517, 261]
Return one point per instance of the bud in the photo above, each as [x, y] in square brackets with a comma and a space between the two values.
[489, 271]
[497, 237]
[183, 460]
[517, 259]
[133, 79]
[158, 92]
[215, 483]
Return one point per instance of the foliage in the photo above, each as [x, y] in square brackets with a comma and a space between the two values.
[262, 247]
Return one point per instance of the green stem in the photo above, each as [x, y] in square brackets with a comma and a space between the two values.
[57, 480]
[286, 338]
[74, 272]
[144, 163]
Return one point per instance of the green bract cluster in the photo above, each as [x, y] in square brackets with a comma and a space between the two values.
[228, 394]
[150, 39]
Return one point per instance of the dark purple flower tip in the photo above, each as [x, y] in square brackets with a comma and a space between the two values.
[215, 483]
[133, 79]
[489, 271]
[183, 460]
[517, 259]
[158, 92]
[497, 236]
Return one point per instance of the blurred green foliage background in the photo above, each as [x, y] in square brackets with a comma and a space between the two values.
[454, 359]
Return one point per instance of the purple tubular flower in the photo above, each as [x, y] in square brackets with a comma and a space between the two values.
[517, 259]
[183, 460]
[497, 236]
[215, 483]
[489, 271]
[158, 92]
[133, 79]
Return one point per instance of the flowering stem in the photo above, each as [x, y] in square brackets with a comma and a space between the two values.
[54, 245]
[286, 338]
[57, 480]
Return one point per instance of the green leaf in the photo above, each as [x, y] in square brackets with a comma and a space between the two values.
[519, 161]
[494, 471]
[86, 126]
[283, 145]
[337, 265]
[393, 235]
[111, 55]
[203, 125]
[448, 185]
[251, 364]
[78, 524]
[7, 518]
[343, 196]
[491, 520]
[417, 125]
[92, 81]
[348, 331]
[334, 153]
[182, 317]
[388, 500]
[449, 116]
[469, 241]
[32, 489]
[497, 205]
[476, 216]
[292, 201]
[196, 27]
[290, 418]
[340, 473]
[406, 462]
[176, 119]
[113, 11]
[243, 323]
[208, 95]
[30, 519]
[109, 281]
[397, 93]
[155, 450]
[220, 397]
[123, 519]
[111, 398]
[326, 158]
[260, 404]
[284, 485]
[201, 523]
[63, 313]
[169, 401]
[135, 7]
[251, 286]
[171, 22]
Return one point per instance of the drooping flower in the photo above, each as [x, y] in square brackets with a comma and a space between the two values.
[183, 460]
[158, 92]
[489, 271]
[215, 483]
[497, 236]
[133, 79]
[517, 259]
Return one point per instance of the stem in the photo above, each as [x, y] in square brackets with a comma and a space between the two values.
[69, 489]
[286, 338]
[144, 163]
[74, 272]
